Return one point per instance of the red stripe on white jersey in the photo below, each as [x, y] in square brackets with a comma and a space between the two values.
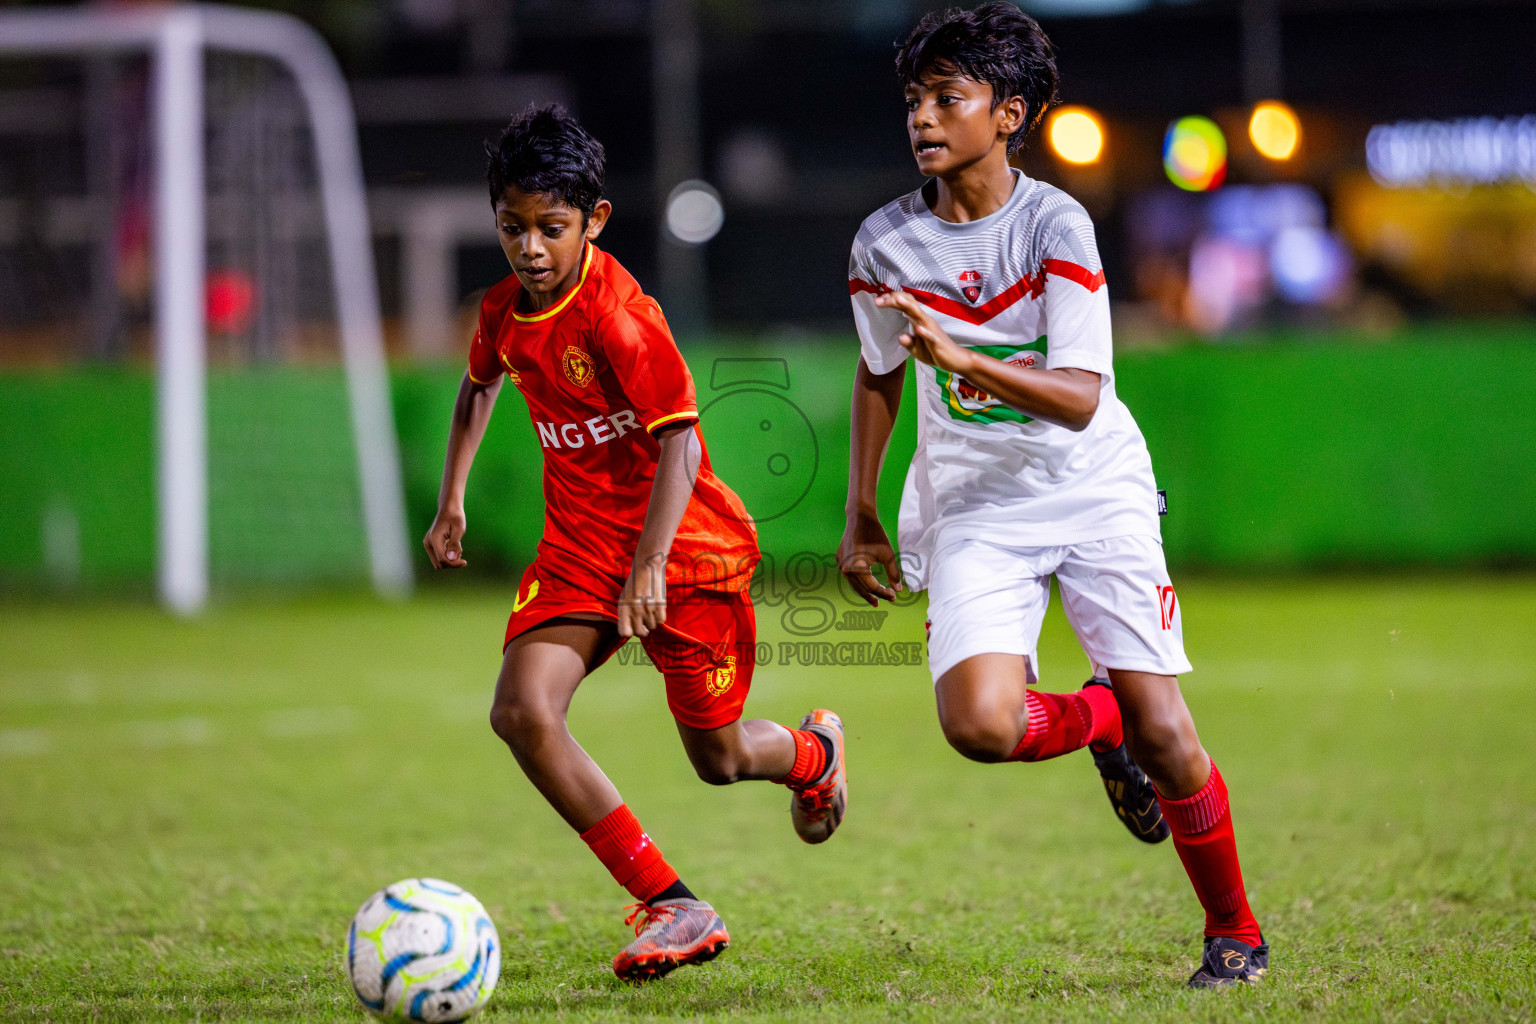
[1030, 285]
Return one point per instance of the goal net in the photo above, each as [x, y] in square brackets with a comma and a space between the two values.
[192, 383]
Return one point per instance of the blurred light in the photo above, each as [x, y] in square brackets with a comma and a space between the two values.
[1226, 282]
[1195, 154]
[1076, 135]
[1472, 151]
[1309, 265]
[754, 166]
[1274, 130]
[694, 213]
[427, 15]
[230, 298]
[1256, 213]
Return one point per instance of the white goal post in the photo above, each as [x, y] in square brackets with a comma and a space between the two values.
[176, 38]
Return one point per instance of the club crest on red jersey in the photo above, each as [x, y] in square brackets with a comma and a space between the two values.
[577, 366]
[970, 285]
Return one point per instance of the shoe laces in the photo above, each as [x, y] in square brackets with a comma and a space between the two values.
[817, 798]
[644, 916]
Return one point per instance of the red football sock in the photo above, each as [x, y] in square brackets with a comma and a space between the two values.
[1060, 723]
[1202, 833]
[629, 855]
[810, 760]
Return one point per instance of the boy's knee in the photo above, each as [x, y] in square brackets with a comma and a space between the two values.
[520, 724]
[980, 739]
[1164, 744]
[718, 767]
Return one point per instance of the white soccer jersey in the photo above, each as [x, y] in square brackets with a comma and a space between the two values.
[1025, 285]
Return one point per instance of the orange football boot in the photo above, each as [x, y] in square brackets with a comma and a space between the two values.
[668, 935]
[818, 809]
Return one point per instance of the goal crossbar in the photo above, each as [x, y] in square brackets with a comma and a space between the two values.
[176, 39]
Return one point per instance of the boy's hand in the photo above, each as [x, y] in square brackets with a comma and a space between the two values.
[864, 545]
[643, 603]
[445, 540]
[926, 340]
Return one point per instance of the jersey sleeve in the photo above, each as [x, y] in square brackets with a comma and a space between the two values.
[484, 362]
[1076, 299]
[878, 328]
[650, 369]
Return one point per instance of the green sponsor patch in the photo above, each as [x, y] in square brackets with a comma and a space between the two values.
[965, 401]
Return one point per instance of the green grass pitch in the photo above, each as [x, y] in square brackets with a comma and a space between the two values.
[191, 812]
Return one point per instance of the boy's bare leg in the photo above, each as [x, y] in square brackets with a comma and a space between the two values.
[539, 675]
[988, 713]
[808, 760]
[982, 707]
[743, 750]
[1161, 737]
[1160, 732]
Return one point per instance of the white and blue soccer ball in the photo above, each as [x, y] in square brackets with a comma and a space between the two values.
[423, 950]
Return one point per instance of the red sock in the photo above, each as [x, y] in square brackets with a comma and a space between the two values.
[1202, 833]
[1060, 723]
[629, 855]
[810, 760]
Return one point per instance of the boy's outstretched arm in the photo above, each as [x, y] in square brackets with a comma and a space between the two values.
[471, 412]
[876, 400]
[643, 604]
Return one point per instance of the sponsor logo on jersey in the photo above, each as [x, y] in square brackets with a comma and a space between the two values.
[594, 431]
[578, 366]
[517, 378]
[965, 401]
[722, 677]
[1167, 601]
[970, 285]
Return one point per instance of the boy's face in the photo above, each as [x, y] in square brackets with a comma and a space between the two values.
[952, 124]
[543, 238]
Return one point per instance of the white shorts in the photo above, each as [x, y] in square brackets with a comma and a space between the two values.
[986, 598]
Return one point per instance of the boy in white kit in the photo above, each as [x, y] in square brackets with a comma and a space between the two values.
[1027, 463]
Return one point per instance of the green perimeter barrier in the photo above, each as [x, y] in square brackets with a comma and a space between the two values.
[1289, 455]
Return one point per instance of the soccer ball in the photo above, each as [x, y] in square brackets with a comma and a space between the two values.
[423, 950]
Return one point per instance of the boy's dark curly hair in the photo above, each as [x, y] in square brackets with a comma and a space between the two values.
[545, 151]
[995, 43]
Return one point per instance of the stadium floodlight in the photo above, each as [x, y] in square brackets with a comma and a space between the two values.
[1077, 135]
[1274, 130]
[176, 39]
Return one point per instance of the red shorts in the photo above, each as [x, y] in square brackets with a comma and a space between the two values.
[706, 650]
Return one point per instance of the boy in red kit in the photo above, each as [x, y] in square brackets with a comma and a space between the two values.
[640, 537]
[1028, 465]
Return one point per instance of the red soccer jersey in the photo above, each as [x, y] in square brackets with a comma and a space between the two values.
[601, 374]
